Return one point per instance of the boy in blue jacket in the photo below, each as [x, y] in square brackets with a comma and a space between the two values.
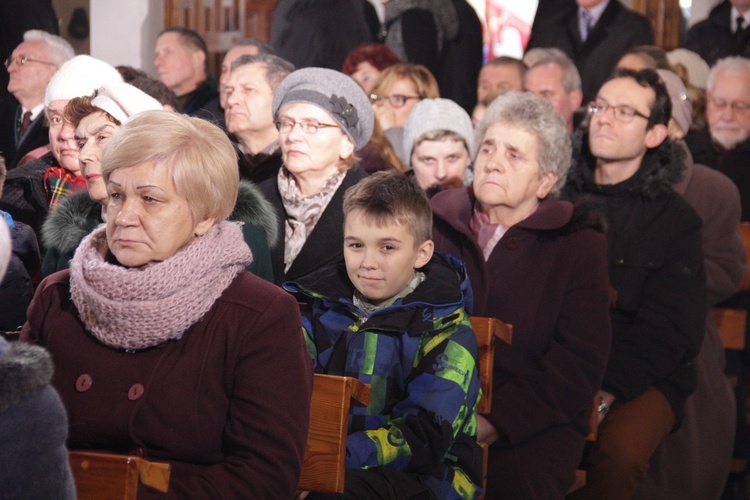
[393, 314]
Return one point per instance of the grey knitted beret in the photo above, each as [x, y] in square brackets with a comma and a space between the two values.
[437, 114]
[334, 92]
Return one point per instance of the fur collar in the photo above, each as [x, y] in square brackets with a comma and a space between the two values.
[253, 208]
[661, 168]
[77, 215]
[24, 369]
[74, 218]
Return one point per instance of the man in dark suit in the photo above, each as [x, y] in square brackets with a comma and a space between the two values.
[593, 33]
[724, 33]
[30, 68]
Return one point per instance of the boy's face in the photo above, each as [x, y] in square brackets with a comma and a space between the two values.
[380, 261]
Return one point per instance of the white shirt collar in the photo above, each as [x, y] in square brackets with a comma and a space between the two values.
[733, 18]
[34, 111]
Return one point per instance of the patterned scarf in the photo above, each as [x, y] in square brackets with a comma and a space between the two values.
[59, 183]
[302, 213]
[137, 308]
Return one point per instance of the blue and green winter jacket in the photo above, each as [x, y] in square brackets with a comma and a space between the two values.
[419, 356]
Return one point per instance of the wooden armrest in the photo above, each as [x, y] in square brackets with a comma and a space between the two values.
[107, 475]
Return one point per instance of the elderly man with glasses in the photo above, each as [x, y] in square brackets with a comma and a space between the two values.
[30, 68]
[724, 143]
[625, 163]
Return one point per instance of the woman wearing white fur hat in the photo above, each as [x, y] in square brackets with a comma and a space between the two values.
[96, 120]
[37, 187]
[323, 117]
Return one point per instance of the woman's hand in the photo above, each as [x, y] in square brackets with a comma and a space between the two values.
[486, 432]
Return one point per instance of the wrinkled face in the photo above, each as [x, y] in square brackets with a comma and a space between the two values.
[504, 77]
[546, 81]
[365, 75]
[729, 126]
[440, 163]
[178, 64]
[506, 172]
[226, 66]
[147, 220]
[380, 260]
[62, 137]
[306, 153]
[612, 140]
[28, 82]
[92, 133]
[404, 87]
[249, 100]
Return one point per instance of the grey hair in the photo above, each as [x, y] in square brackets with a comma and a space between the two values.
[539, 118]
[571, 79]
[60, 50]
[732, 65]
[263, 47]
[276, 68]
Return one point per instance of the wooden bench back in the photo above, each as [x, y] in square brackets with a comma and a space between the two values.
[110, 476]
[487, 331]
[325, 458]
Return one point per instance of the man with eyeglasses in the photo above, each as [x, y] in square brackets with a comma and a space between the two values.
[624, 162]
[724, 143]
[30, 68]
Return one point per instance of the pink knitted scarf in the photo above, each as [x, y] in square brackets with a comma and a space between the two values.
[136, 308]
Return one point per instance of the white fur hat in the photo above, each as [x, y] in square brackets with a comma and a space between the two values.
[79, 77]
[122, 101]
[697, 69]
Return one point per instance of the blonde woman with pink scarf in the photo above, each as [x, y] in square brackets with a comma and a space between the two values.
[164, 346]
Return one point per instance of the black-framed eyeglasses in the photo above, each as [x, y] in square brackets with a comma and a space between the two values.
[737, 106]
[308, 127]
[21, 60]
[396, 100]
[622, 113]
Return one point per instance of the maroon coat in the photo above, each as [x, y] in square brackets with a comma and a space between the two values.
[547, 276]
[227, 405]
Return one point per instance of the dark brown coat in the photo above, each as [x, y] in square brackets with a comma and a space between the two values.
[227, 405]
[547, 276]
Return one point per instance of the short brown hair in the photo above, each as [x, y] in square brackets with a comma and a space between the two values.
[79, 108]
[197, 153]
[390, 196]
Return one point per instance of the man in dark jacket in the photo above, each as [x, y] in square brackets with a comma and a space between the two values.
[252, 82]
[594, 33]
[724, 144]
[724, 33]
[181, 60]
[625, 162]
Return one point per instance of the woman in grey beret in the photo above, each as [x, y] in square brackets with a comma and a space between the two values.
[323, 117]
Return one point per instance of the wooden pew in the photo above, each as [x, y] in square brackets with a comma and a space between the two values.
[488, 331]
[731, 322]
[325, 458]
[114, 477]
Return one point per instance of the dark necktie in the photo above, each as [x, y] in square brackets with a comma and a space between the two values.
[25, 121]
[740, 26]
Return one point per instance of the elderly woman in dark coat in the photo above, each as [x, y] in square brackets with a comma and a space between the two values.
[164, 346]
[540, 264]
[323, 117]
